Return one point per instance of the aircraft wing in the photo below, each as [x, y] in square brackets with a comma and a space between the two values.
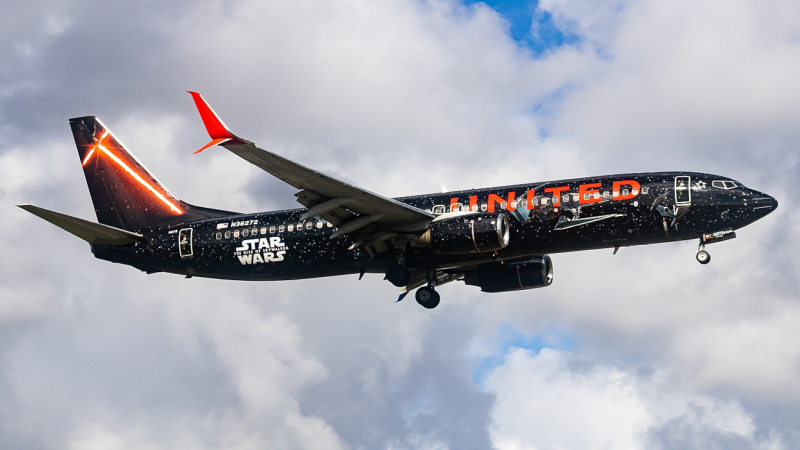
[348, 207]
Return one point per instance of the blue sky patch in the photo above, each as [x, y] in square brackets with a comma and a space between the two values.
[509, 337]
[521, 16]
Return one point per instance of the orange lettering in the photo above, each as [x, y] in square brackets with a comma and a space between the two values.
[453, 202]
[494, 198]
[557, 193]
[590, 189]
[618, 188]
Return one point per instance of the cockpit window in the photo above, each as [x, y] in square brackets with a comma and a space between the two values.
[724, 184]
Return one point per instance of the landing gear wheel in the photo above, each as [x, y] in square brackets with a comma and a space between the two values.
[427, 297]
[398, 275]
[703, 257]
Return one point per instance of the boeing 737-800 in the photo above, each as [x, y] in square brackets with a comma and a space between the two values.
[496, 238]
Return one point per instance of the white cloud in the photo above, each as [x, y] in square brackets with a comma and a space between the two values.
[398, 97]
[550, 400]
[681, 77]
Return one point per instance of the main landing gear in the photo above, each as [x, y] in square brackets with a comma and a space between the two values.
[398, 275]
[427, 297]
[703, 257]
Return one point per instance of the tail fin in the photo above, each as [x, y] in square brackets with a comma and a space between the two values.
[125, 194]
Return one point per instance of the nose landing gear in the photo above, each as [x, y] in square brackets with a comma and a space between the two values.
[703, 257]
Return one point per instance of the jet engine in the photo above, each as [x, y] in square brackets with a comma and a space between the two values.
[516, 276]
[467, 233]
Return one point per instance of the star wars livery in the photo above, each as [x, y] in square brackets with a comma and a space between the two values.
[495, 238]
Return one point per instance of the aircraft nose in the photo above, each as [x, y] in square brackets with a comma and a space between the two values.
[764, 203]
[773, 203]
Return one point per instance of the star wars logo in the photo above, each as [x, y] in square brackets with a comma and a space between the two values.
[260, 251]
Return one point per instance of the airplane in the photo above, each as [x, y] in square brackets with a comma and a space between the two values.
[496, 238]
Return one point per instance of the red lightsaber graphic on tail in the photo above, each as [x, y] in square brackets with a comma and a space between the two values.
[102, 149]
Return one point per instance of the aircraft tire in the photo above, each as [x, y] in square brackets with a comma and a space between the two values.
[703, 257]
[398, 275]
[427, 297]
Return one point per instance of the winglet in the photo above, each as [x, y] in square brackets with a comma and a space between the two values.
[212, 143]
[216, 128]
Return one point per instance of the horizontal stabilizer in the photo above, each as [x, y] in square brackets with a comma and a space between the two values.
[93, 233]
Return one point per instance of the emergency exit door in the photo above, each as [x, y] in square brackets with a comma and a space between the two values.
[185, 243]
[683, 191]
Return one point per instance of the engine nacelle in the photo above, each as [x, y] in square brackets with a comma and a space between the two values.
[499, 277]
[467, 233]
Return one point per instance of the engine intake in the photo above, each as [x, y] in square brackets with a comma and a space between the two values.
[467, 233]
[504, 277]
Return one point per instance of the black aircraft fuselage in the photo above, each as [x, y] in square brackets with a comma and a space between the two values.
[494, 238]
[278, 245]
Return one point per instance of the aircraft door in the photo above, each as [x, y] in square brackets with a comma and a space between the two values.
[185, 243]
[683, 191]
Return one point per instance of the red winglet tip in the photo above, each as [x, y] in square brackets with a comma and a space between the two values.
[214, 125]
[212, 143]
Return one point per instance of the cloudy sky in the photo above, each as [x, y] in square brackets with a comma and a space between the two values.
[645, 349]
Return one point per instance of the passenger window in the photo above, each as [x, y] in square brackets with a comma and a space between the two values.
[635, 191]
[328, 224]
[245, 232]
[606, 195]
[645, 190]
[236, 234]
[545, 200]
[616, 194]
[291, 227]
[299, 227]
[272, 229]
[455, 207]
[484, 207]
[438, 209]
[624, 192]
[309, 225]
[575, 197]
[227, 235]
[503, 205]
[263, 230]
[319, 224]
[254, 232]
[586, 196]
[219, 235]
[596, 195]
[565, 198]
[281, 228]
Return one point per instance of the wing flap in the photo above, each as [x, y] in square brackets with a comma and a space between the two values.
[301, 177]
[91, 232]
[316, 187]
